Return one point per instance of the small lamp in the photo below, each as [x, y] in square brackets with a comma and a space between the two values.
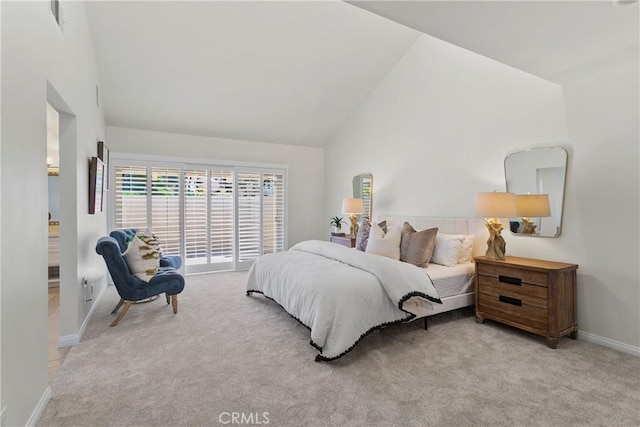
[532, 206]
[353, 207]
[493, 206]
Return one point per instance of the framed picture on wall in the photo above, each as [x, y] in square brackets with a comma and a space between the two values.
[103, 154]
[96, 185]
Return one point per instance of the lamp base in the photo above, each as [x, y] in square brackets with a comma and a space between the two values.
[354, 226]
[528, 226]
[496, 246]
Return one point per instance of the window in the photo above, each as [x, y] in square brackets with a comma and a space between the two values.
[216, 218]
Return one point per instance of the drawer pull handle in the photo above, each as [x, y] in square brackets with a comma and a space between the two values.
[509, 300]
[510, 280]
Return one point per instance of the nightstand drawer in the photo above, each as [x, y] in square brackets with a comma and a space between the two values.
[513, 275]
[525, 289]
[519, 310]
[344, 241]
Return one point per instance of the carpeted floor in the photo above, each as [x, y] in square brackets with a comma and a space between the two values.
[225, 352]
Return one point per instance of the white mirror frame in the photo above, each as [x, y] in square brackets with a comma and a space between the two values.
[363, 189]
[538, 171]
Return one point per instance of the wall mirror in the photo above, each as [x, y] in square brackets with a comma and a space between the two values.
[537, 176]
[363, 189]
[54, 197]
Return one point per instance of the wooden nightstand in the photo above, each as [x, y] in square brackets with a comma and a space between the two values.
[534, 295]
[344, 241]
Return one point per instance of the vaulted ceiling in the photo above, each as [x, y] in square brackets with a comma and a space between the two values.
[292, 72]
[543, 37]
[281, 72]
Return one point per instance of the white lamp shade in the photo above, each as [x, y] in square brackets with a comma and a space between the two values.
[533, 205]
[495, 205]
[352, 206]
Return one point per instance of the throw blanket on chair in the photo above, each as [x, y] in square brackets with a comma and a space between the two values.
[339, 293]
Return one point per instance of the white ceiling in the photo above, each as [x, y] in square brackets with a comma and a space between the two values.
[282, 72]
[544, 38]
[292, 72]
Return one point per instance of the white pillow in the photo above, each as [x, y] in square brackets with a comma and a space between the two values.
[466, 251]
[142, 259]
[384, 244]
[447, 249]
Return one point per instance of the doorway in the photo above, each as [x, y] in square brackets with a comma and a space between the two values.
[56, 355]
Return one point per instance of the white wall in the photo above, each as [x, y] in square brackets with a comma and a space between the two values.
[600, 223]
[40, 64]
[306, 217]
[438, 127]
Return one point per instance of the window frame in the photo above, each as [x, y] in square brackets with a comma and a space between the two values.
[185, 164]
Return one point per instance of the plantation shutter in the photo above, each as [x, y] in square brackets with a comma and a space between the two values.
[195, 216]
[215, 217]
[272, 212]
[249, 187]
[130, 197]
[165, 208]
[221, 216]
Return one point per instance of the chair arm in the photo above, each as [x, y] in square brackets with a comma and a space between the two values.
[174, 261]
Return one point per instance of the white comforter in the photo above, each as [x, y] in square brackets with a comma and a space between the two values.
[341, 294]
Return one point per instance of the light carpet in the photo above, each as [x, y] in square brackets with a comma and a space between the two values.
[226, 353]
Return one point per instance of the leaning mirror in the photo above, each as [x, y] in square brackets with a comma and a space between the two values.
[536, 176]
[362, 189]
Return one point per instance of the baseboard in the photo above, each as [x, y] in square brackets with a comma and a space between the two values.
[73, 339]
[606, 342]
[39, 409]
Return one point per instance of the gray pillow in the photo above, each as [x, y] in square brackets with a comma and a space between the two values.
[363, 234]
[416, 247]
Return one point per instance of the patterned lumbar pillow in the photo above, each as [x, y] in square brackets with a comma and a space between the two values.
[142, 258]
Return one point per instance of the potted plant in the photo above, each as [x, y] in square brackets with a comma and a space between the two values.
[337, 222]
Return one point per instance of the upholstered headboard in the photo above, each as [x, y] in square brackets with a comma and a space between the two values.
[473, 226]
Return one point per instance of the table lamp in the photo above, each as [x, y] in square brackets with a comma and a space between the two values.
[492, 206]
[353, 207]
[531, 206]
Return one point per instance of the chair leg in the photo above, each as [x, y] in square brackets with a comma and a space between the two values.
[127, 304]
[115, 310]
[174, 302]
[168, 297]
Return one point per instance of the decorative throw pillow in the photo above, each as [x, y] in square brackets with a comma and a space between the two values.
[363, 234]
[416, 247]
[142, 259]
[466, 251]
[151, 240]
[385, 244]
[447, 250]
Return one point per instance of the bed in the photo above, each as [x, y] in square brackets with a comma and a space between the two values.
[341, 294]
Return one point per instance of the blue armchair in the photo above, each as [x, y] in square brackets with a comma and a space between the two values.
[130, 288]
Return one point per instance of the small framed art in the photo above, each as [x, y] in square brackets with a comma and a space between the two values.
[103, 154]
[96, 185]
